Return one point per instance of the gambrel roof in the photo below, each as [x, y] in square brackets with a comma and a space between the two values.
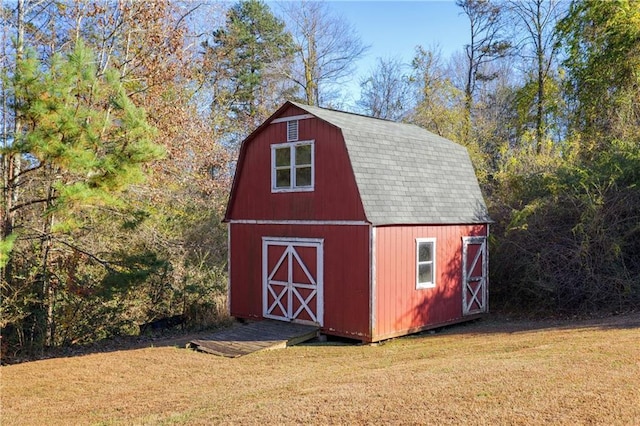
[405, 174]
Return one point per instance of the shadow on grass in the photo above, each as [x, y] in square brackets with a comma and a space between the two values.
[490, 324]
[167, 338]
[496, 323]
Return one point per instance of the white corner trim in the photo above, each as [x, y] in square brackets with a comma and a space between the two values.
[290, 118]
[373, 300]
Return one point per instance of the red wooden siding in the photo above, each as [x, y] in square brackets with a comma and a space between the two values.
[335, 196]
[399, 306]
[346, 273]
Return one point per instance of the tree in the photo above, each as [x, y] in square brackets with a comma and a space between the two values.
[536, 21]
[326, 48]
[603, 84]
[250, 51]
[156, 48]
[603, 59]
[386, 92]
[440, 105]
[104, 279]
[567, 215]
[81, 143]
[486, 44]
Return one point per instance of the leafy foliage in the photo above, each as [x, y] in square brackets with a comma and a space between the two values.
[567, 237]
[247, 59]
[603, 40]
[83, 127]
[81, 142]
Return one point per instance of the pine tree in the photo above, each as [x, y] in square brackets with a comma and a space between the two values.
[81, 144]
[251, 51]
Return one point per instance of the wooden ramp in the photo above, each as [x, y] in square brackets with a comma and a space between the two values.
[243, 339]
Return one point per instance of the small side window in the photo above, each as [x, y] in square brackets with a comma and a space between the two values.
[425, 263]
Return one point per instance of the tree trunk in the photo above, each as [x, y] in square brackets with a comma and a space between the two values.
[48, 291]
[11, 161]
[310, 87]
[541, 94]
[468, 91]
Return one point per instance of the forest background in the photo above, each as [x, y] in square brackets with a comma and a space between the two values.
[121, 123]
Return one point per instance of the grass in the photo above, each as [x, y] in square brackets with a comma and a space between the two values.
[491, 372]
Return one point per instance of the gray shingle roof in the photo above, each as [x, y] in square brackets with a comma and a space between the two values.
[408, 175]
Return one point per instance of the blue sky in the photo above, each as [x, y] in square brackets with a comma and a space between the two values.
[395, 28]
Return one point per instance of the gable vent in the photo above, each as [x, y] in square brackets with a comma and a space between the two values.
[292, 130]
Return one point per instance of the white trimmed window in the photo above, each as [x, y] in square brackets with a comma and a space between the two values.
[425, 263]
[292, 166]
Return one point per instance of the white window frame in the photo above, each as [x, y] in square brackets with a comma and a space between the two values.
[432, 283]
[292, 166]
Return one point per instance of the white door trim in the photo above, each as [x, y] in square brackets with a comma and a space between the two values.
[478, 293]
[290, 288]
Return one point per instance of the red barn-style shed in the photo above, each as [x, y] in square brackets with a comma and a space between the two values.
[368, 228]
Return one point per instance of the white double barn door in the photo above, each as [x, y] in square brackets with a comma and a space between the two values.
[292, 279]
